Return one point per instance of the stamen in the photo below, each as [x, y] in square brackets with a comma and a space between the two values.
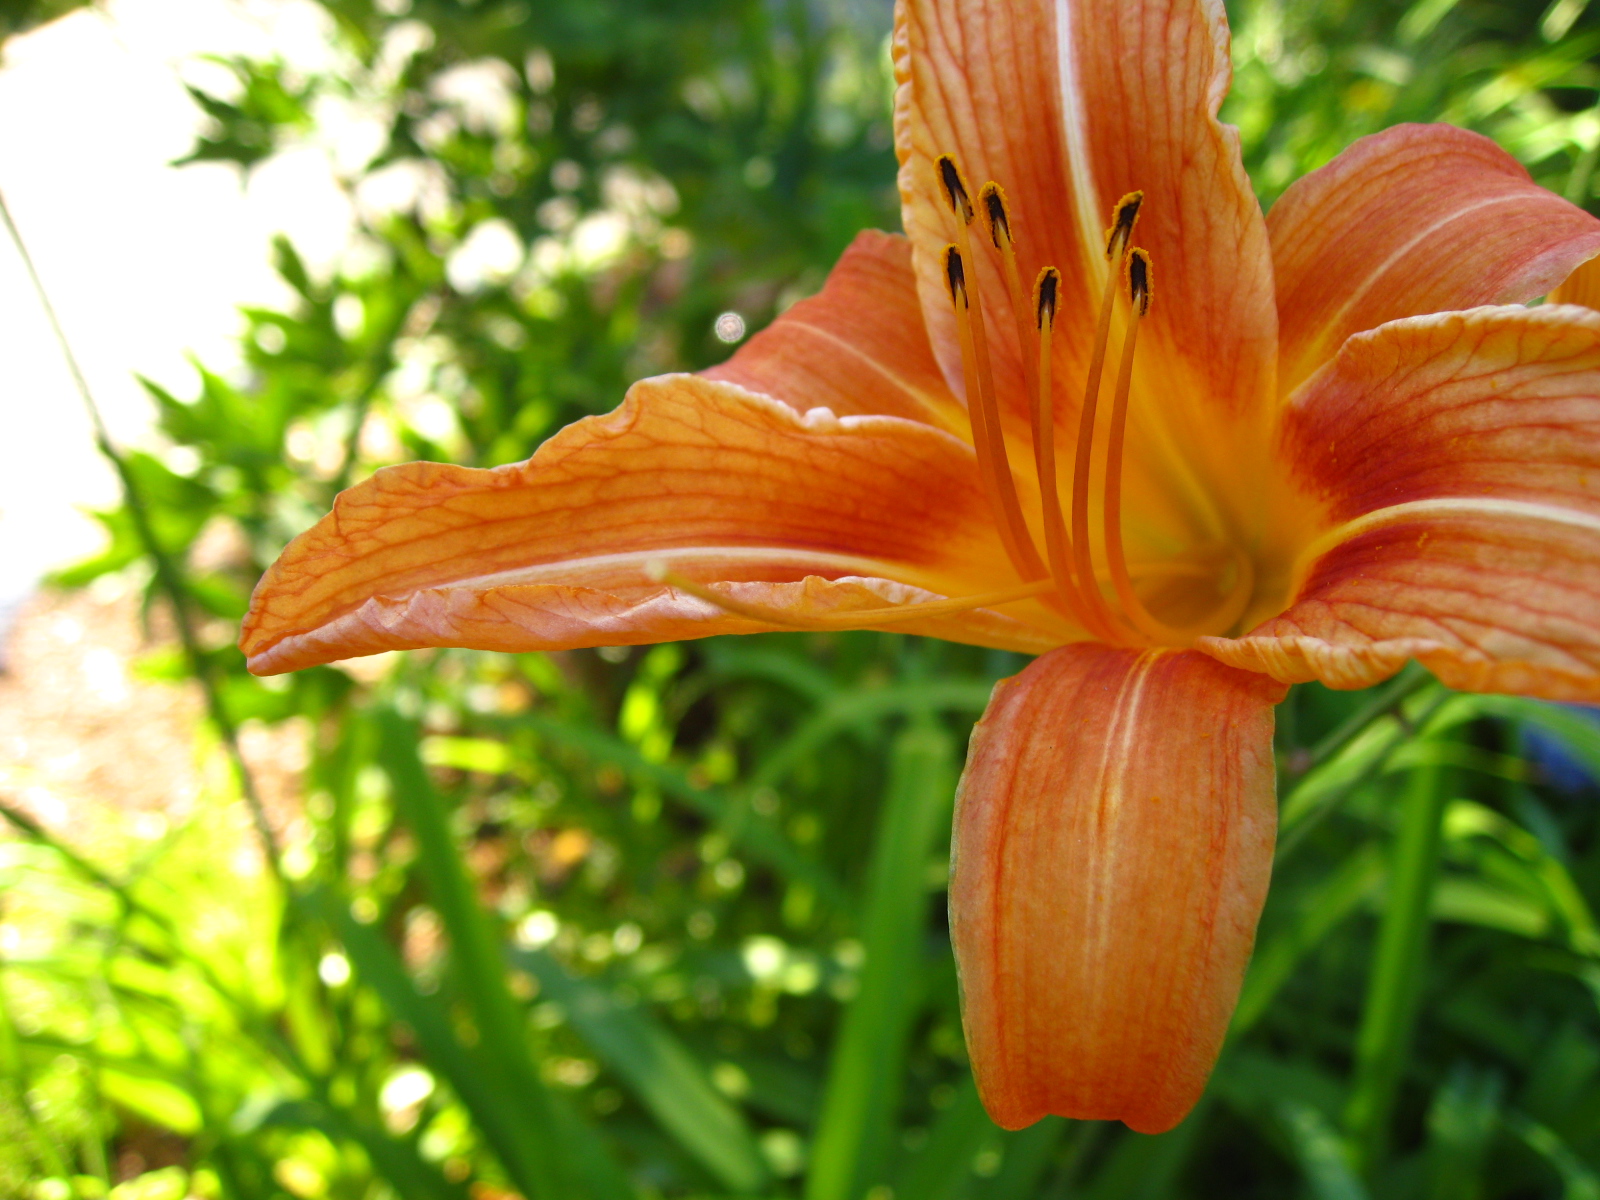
[1232, 607]
[955, 188]
[858, 618]
[1120, 234]
[1123, 217]
[983, 410]
[993, 202]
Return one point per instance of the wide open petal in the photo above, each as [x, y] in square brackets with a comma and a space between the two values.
[858, 346]
[726, 485]
[1416, 219]
[1068, 106]
[1113, 841]
[1458, 459]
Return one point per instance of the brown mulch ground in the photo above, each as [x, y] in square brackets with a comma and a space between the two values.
[97, 753]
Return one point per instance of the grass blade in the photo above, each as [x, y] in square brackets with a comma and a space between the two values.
[761, 838]
[942, 1169]
[668, 1080]
[1397, 969]
[551, 1154]
[862, 1093]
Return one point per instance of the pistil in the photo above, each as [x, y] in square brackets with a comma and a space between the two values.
[1046, 291]
[1232, 606]
[1117, 239]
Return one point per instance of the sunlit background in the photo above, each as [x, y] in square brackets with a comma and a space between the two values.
[655, 922]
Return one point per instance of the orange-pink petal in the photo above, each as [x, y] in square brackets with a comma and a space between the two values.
[1416, 219]
[858, 346]
[727, 485]
[979, 80]
[1457, 457]
[1069, 106]
[1113, 842]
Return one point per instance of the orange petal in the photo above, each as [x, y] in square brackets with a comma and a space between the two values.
[1068, 106]
[859, 346]
[980, 81]
[1113, 841]
[1458, 457]
[1417, 219]
[725, 484]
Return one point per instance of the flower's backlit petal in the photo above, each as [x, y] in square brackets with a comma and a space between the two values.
[1416, 219]
[686, 466]
[1458, 460]
[859, 346]
[1113, 841]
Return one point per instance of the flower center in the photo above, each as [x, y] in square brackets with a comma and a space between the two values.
[1121, 618]
[1066, 577]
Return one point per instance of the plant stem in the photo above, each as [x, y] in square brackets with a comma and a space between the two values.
[1402, 687]
[1294, 833]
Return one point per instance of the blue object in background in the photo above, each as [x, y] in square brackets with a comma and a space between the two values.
[1560, 769]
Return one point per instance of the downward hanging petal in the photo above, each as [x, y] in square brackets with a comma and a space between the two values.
[1416, 219]
[1113, 841]
[1459, 459]
[729, 486]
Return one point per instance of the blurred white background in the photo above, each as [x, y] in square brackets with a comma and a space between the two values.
[145, 262]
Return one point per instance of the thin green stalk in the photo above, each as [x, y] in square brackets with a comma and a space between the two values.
[168, 575]
[1411, 680]
[1398, 964]
[1294, 834]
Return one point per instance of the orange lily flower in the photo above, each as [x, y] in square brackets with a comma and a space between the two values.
[1310, 456]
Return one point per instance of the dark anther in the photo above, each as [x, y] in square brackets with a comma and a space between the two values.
[1044, 297]
[955, 275]
[1122, 219]
[1139, 280]
[955, 187]
[994, 207]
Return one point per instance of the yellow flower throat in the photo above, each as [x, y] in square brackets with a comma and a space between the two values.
[1065, 578]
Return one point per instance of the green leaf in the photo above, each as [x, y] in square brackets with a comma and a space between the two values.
[863, 1090]
[668, 1080]
[1324, 1158]
[941, 1169]
[549, 1151]
[1462, 1121]
[759, 836]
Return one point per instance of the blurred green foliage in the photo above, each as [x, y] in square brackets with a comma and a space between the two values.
[669, 922]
